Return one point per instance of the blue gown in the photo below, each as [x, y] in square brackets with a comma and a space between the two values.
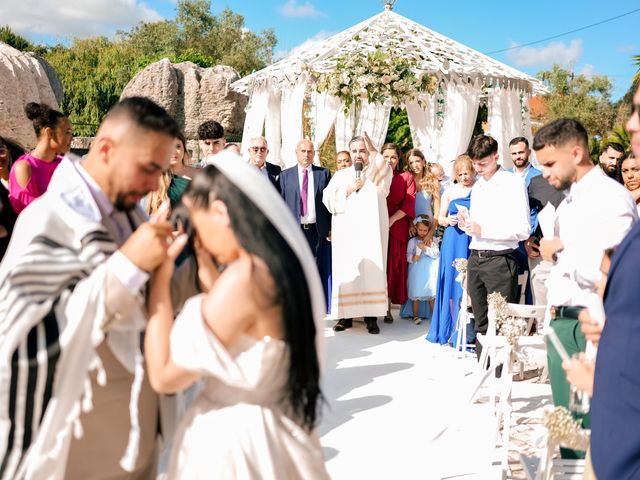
[455, 244]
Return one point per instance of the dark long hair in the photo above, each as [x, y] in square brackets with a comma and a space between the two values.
[259, 237]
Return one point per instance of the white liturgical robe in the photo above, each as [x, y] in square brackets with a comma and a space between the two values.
[359, 240]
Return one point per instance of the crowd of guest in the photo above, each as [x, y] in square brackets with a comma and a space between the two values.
[387, 228]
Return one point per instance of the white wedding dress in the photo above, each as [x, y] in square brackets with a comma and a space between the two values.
[236, 428]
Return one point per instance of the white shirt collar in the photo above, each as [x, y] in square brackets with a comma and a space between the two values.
[99, 196]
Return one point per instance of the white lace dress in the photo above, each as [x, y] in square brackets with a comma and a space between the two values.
[236, 427]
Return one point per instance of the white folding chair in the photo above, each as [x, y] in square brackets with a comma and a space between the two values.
[548, 468]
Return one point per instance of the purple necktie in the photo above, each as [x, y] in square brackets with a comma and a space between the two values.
[304, 192]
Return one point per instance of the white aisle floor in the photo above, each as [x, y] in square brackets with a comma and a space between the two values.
[389, 394]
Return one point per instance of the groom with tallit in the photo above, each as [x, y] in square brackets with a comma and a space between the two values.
[74, 400]
[356, 198]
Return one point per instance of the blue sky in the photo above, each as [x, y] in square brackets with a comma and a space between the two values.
[603, 49]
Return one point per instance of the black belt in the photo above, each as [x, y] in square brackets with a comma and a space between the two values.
[567, 312]
[491, 253]
[307, 226]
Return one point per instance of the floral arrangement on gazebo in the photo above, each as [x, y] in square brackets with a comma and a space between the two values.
[354, 78]
[377, 76]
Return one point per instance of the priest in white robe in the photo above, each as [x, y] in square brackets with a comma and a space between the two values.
[359, 237]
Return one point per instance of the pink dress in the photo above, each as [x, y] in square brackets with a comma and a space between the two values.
[41, 173]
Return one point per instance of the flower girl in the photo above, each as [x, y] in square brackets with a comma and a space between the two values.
[422, 255]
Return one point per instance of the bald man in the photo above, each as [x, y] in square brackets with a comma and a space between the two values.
[72, 309]
[301, 188]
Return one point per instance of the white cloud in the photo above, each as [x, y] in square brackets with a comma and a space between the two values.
[588, 70]
[555, 52]
[292, 9]
[70, 18]
[629, 48]
[308, 43]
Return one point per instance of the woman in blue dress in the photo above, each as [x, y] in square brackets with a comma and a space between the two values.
[455, 244]
[427, 205]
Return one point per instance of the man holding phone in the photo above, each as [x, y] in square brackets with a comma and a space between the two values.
[540, 193]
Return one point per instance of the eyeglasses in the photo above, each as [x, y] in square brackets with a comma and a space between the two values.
[258, 149]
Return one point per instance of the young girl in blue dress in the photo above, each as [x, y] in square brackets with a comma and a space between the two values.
[422, 256]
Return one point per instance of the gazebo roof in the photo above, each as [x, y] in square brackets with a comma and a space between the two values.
[397, 35]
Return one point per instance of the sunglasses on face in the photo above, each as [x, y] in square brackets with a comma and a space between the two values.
[259, 149]
[635, 108]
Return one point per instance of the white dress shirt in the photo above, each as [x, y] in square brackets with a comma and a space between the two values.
[596, 215]
[501, 207]
[124, 269]
[311, 198]
[264, 171]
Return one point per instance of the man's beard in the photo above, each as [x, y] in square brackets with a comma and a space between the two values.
[610, 170]
[122, 205]
[520, 163]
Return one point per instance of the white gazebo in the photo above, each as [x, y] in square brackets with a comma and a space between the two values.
[441, 121]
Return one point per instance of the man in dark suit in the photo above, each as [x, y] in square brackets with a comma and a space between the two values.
[258, 151]
[615, 407]
[301, 188]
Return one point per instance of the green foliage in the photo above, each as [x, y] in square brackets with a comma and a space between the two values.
[399, 131]
[586, 99]
[636, 62]
[94, 71]
[619, 135]
[16, 41]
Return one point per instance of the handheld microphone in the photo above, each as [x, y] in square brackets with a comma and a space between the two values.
[358, 166]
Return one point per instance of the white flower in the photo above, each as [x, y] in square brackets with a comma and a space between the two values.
[344, 90]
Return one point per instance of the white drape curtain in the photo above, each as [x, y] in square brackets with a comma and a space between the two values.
[461, 110]
[505, 120]
[345, 127]
[272, 130]
[370, 118]
[291, 120]
[254, 120]
[422, 122]
[373, 119]
[323, 112]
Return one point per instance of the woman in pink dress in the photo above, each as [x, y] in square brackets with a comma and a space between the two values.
[31, 173]
[401, 205]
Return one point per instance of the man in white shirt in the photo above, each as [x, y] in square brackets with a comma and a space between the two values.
[258, 151]
[611, 153]
[497, 220]
[520, 153]
[596, 215]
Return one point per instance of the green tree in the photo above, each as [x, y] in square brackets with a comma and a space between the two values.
[399, 131]
[586, 99]
[93, 73]
[16, 41]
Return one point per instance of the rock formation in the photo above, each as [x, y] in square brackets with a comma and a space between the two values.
[24, 77]
[192, 94]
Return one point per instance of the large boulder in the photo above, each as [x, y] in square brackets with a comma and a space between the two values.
[192, 94]
[24, 77]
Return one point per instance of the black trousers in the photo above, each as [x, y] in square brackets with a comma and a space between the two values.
[488, 272]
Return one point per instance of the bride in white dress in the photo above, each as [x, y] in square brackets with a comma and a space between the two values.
[252, 336]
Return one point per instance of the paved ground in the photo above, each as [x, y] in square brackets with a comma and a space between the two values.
[388, 396]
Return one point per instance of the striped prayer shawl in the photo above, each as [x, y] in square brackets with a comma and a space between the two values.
[30, 327]
[52, 311]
